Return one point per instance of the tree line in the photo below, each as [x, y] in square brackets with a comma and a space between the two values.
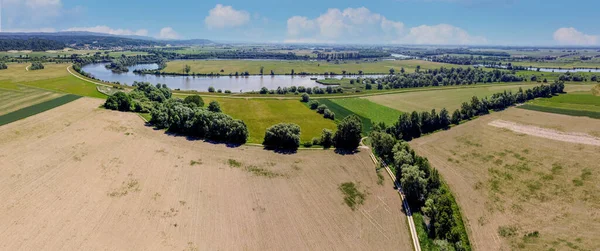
[413, 125]
[352, 55]
[234, 54]
[120, 64]
[186, 117]
[442, 77]
[424, 189]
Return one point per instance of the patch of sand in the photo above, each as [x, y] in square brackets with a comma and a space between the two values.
[579, 138]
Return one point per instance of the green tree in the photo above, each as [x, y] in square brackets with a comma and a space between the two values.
[119, 101]
[305, 98]
[326, 138]
[382, 144]
[187, 69]
[282, 136]
[328, 114]
[321, 108]
[313, 104]
[348, 134]
[195, 99]
[456, 117]
[262, 69]
[444, 121]
[214, 106]
[413, 182]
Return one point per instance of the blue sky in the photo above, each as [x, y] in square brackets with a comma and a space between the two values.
[491, 22]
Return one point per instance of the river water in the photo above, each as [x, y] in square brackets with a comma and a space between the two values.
[234, 84]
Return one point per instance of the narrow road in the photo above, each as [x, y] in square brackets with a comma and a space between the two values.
[411, 223]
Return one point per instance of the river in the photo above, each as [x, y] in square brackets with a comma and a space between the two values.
[234, 84]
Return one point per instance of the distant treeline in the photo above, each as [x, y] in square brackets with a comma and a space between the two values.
[352, 55]
[442, 77]
[171, 55]
[57, 41]
[32, 44]
[428, 53]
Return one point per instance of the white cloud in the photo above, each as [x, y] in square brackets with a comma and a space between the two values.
[108, 30]
[571, 36]
[440, 34]
[360, 25]
[297, 26]
[168, 33]
[226, 16]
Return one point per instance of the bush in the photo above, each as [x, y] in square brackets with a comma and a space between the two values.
[3, 66]
[328, 114]
[36, 66]
[316, 141]
[195, 99]
[119, 101]
[305, 98]
[214, 106]
[313, 104]
[211, 89]
[282, 136]
[228, 91]
[321, 108]
[307, 144]
[326, 138]
[348, 134]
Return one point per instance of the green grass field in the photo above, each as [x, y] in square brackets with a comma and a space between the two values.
[375, 112]
[450, 99]
[259, 114]
[574, 104]
[285, 67]
[36, 108]
[341, 112]
[54, 77]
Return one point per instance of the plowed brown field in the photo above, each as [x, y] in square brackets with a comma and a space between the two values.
[82, 178]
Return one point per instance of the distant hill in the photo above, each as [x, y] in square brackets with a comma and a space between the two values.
[39, 41]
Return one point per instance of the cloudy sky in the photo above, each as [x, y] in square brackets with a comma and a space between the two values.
[457, 22]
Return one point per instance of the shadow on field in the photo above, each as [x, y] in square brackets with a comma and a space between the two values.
[281, 151]
[193, 138]
[346, 151]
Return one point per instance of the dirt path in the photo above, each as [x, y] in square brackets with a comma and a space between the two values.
[579, 138]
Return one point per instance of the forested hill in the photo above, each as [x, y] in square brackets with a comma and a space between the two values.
[33, 44]
[60, 40]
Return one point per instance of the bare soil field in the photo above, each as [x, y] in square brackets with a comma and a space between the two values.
[82, 178]
[519, 191]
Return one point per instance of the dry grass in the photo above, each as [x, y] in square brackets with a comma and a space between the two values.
[519, 191]
[139, 192]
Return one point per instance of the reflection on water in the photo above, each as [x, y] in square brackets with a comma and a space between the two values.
[234, 84]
